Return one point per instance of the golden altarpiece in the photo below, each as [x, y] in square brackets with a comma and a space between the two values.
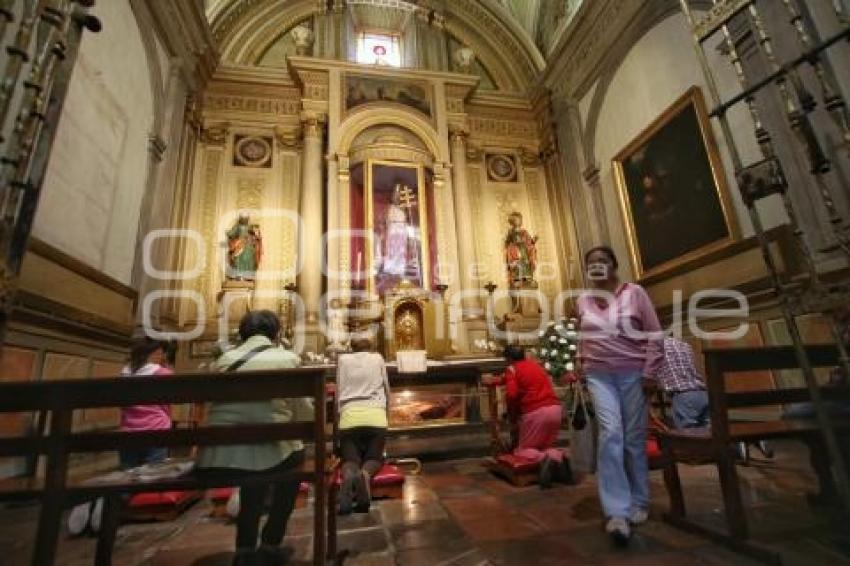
[376, 194]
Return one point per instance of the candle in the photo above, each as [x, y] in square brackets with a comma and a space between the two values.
[358, 273]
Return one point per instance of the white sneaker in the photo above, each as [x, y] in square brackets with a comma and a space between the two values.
[78, 520]
[96, 515]
[639, 516]
[618, 529]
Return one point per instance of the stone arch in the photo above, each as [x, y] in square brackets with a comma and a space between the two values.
[360, 120]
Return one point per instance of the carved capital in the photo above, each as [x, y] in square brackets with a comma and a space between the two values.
[215, 134]
[312, 124]
[458, 134]
[288, 137]
[473, 152]
[529, 157]
[549, 152]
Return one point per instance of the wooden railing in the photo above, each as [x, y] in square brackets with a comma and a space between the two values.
[59, 399]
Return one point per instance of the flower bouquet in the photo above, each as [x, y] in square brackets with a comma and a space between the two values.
[557, 348]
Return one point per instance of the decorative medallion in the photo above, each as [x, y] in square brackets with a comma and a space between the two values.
[501, 168]
[252, 151]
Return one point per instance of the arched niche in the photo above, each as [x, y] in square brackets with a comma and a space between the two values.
[406, 125]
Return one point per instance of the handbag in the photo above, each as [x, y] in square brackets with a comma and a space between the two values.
[582, 423]
[582, 411]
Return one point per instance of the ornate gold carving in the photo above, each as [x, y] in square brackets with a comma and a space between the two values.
[501, 168]
[458, 135]
[473, 152]
[457, 91]
[529, 157]
[214, 135]
[314, 84]
[542, 220]
[291, 189]
[249, 193]
[494, 127]
[408, 326]
[284, 106]
[252, 151]
[718, 15]
[206, 281]
[312, 124]
[473, 178]
[288, 138]
[454, 105]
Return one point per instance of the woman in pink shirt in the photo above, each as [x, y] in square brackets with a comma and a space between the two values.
[146, 359]
[620, 350]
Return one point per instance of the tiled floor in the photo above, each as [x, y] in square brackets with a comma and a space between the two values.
[455, 513]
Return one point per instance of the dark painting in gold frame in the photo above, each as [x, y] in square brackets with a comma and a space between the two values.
[673, 191]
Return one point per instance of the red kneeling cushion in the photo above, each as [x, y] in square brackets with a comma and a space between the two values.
[220, 493]
[388, 475]
[172, 498]
[517, 463]
[653, 450]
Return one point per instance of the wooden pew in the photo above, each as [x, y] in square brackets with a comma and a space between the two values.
[61, 398]
[716, 445]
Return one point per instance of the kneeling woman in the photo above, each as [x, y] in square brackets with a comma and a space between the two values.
[362, 397]
[533, 405]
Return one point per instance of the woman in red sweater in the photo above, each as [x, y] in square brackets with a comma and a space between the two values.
[532, 404]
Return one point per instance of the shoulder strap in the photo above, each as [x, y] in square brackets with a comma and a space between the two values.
[248, 355]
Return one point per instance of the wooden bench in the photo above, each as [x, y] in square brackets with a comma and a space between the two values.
[61, 398]
[716, 445]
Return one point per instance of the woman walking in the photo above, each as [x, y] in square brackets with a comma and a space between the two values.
[620, 352]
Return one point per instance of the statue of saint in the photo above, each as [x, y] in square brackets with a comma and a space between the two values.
[396, 256]
[520, 252]
[244, 249]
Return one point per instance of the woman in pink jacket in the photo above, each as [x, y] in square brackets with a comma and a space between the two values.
[147, 358]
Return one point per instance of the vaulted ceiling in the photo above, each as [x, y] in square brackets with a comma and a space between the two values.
[514, 35]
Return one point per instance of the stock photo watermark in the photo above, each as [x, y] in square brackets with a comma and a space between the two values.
[349, 298]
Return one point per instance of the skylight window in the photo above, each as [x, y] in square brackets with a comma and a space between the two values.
[379, 49]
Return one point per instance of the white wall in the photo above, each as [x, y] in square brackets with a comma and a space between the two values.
[657, 70]
[90, 204]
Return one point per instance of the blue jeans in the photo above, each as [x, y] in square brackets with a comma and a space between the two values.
[690, 409]
[622, 467]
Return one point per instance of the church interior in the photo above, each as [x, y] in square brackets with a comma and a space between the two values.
[455, 192]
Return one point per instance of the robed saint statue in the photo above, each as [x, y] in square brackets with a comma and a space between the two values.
[244, 249]
[520, 252]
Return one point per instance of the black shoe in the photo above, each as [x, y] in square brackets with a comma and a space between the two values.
[346, 494]
[275, 555]
[362, 495]
[564, 472]
[544, 477]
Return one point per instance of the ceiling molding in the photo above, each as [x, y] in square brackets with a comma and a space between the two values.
[244, 29]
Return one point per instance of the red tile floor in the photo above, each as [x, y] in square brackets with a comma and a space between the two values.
[455, 513]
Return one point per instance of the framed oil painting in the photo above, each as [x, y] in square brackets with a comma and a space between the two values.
[361, 90]
[673, 191]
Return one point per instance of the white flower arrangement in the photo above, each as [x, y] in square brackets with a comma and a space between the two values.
[558, 346]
